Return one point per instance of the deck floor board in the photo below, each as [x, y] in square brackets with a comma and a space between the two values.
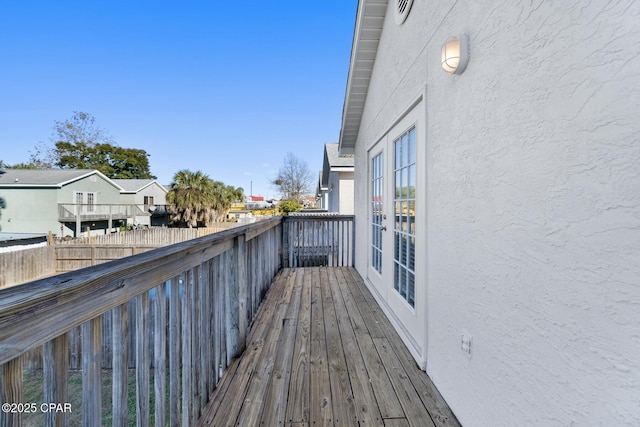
[323, 353]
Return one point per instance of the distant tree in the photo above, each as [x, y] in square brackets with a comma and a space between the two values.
[190, 198]
[195, 199]
[80, 144]
[112, 160]
[294, 178]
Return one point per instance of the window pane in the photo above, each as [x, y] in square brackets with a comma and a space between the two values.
[411, 182]
[412, 145]
[411, 253]
[411, 289]
[405, 149]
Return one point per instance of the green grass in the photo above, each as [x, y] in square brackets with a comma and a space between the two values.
[33, 393]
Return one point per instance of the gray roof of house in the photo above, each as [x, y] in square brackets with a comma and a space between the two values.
[135, 185]
[42, 177]
[6, 237]
[334, 159]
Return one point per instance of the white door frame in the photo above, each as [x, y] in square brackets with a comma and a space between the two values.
[410, 321]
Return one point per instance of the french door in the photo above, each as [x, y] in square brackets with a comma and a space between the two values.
[394, 203]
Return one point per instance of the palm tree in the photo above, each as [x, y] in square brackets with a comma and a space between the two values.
[192, 197]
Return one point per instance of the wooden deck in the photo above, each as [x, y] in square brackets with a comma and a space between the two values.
[321, 352]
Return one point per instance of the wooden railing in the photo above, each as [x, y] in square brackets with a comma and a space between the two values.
[318, 240]
[70, 212]
[188, 306]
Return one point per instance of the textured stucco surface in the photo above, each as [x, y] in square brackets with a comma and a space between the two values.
[341, 194]
[532, 204]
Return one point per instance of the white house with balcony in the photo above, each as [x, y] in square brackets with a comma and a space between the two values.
[334, 192]
[497, 200]
[72, 202]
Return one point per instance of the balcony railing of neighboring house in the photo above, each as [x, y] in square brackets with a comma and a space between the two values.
[71, 212]
[157, 210]
[178, 314]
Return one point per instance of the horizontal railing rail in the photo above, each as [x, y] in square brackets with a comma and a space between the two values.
[198, 297]
[318, 240]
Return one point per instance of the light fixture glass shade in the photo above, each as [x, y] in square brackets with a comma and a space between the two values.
[454, 55]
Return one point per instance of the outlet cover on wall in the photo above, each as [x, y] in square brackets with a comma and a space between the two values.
[466, 343]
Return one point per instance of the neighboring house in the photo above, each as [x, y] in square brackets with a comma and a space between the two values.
[149, 195]
[336, 181]
[322, 194]
[497, 211]
[66, 202]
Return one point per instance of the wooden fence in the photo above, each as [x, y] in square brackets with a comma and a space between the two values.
[26, 265]
[154, 236]
[198, 297]
[318, 240]
[66, 255]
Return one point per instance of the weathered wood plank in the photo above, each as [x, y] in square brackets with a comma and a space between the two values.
[321, 413]
[205, 342]
[397, 422]
[298, 403]
[160, 354]
[242, 285]
[120, 380]
[276, 395]
[274, 405]
[344, 411]
[11, 391]
[142, 360]
[388, 403]
[402, 384]
[175, 352]
[55, 362]
[367, 408]
[187, 370]
[257, 393]
[235, 394]
[91, 372]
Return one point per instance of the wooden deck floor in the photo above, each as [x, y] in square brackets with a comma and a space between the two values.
[321, 352]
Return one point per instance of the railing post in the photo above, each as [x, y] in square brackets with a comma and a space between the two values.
[241, 284]
[55, 361]
[91, 371]
[120, 365]
[11, 391]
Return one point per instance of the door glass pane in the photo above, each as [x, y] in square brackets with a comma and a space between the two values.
[376, 213]
[404, 224]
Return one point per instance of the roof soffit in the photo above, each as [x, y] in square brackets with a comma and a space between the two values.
[369, 22]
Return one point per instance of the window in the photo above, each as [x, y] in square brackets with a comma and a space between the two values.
[148, 201]
[404, 202]
[86, 201]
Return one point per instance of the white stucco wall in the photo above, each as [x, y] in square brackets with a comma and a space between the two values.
[532, 204]
[341, 194]
[346, 193]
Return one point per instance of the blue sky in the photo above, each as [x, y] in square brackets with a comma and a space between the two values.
[227, 88]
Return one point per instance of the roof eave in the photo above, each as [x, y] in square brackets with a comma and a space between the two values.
[369, 22]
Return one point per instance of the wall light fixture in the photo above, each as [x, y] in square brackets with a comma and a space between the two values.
[454, 54]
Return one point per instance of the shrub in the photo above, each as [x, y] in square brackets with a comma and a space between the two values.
[288, 206]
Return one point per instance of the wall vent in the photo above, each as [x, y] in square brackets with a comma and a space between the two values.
[403, 7]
